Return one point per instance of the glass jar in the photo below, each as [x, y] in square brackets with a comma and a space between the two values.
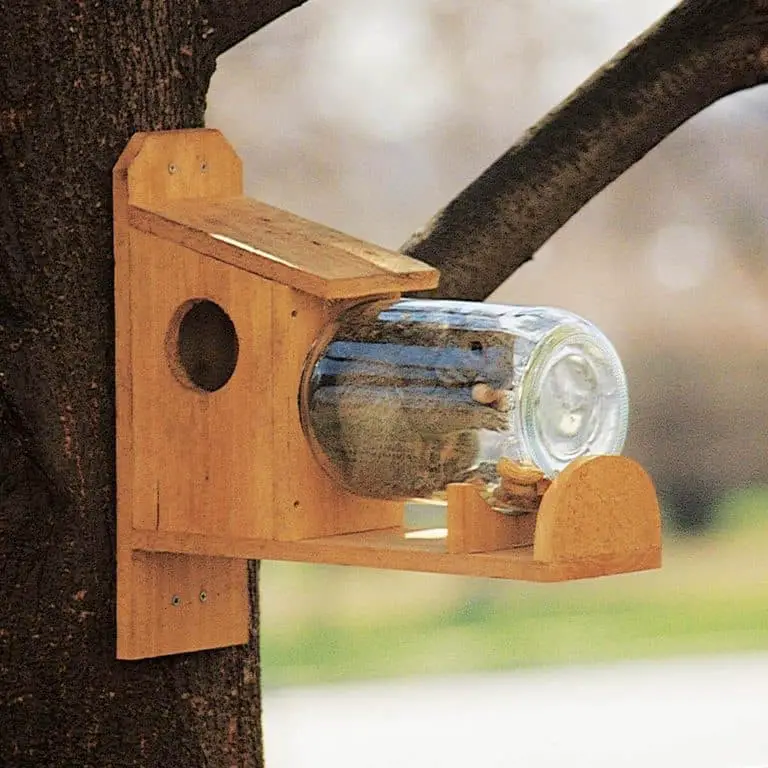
[401, 398]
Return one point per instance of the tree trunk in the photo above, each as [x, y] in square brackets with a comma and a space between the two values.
[77, 79]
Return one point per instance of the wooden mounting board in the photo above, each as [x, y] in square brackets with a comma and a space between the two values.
[160, 167]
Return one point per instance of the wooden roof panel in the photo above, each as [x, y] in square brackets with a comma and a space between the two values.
[281, 246]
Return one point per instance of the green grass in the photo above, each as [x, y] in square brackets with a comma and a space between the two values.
[326, 624]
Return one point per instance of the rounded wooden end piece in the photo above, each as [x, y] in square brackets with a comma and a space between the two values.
[599, 506]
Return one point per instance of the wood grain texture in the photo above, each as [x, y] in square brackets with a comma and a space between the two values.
[160, 431]
[233, 463]
[178, 165]
[182, 603]
[281, 246]
[599, 506]
[388, 549]
[307, 501]
[473, 526]
[205, 458]
[208, 480]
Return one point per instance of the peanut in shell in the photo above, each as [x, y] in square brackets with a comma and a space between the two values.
[517, 473]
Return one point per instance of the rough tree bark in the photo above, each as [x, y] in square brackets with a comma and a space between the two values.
[77, 78]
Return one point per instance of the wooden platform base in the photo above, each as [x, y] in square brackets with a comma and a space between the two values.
[391, 549]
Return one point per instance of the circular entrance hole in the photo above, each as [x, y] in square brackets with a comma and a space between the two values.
[203, 345]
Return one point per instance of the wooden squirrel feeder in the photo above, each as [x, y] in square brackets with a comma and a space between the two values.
[213, 465]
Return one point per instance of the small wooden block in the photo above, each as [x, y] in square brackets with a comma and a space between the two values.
[597, 507]
[473, 526]
[170, 603]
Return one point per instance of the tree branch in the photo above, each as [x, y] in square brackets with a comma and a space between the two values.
[229, 22]
[701, 51]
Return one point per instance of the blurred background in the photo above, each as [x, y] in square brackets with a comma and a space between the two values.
[369, 117]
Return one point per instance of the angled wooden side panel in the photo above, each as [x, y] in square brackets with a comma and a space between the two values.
[307, 502]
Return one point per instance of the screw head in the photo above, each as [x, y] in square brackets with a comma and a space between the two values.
[175, 601]
[203, 596]
[172, 168]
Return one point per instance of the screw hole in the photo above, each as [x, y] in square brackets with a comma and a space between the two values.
[203, 596]
[296, 505]
[172, 168]
[203, 166]
[294, 313]
[175, 601]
